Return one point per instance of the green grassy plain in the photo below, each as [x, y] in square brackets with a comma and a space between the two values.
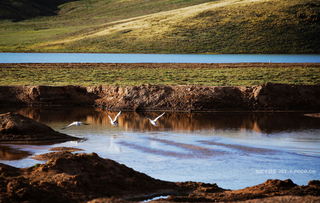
[170, 26]
[158, 74]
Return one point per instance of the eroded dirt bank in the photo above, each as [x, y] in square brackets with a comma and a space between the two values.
[15, 128]
[68, 177]
[168, 98]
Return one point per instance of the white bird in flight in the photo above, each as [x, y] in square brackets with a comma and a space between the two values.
[114, 121]
[154, 121]
[75, 123]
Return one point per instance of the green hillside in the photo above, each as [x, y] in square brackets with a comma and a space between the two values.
[168, 26]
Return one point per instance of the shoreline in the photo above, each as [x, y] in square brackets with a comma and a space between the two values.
[181, 98]
[114, 182]
[83, 177]
[163, 65]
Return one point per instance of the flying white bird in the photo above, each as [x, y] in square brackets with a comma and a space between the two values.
[154, 121]
[114, 121]
[75, 123]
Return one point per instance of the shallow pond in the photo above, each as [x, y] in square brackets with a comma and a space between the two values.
[234, 150]
[156, 58]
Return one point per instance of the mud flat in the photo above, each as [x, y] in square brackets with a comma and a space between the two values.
[268, 97]
[67, 177]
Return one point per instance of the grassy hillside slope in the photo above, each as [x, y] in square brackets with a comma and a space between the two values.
[171, 26]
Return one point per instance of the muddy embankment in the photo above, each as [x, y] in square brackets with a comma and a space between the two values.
[17, 129]
[266, 97]
[67, 177]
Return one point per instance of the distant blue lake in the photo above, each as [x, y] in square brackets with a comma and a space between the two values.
[154, 58]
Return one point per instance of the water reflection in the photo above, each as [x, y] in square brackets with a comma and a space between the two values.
[10, 153]
[187, 146]
[137, 121]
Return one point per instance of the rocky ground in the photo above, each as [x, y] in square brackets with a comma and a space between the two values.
[268, 97]
[15, 128]
[67, 177]
[70, 177]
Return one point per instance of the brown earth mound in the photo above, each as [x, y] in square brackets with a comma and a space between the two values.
[284, 199]
[47, 156]
[69, 177]
[177, 98]
[58, 151]
[15, 128]
[208, 98]
[65, 149]
[76, 178]
[268, 189]
[169, 98]
[45, 95]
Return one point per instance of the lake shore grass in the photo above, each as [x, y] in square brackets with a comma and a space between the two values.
[122, 74]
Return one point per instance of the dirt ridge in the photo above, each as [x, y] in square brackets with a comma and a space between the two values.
[15, 128]
[68, 177]
[267, 97]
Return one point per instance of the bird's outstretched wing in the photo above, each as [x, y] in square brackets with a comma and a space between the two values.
[71, 124]
[110, 118]
[158, 117]
[115, 118]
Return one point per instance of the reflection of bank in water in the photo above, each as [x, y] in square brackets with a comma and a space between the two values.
[266, 122]
[9, 153]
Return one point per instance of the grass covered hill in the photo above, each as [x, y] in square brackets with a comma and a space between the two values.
[169, 26]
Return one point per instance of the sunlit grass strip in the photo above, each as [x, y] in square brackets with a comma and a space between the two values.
[167, 76]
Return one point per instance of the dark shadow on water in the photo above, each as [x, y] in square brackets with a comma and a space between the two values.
[9, 153]
[240, 148]
[194, 149]
[150, 150]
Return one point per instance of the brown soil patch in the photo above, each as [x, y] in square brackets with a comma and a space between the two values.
[47, 156]
[15, 128]
[270, 188]
[58, 152]
[285, 199]
[66, 149]
[268, 97]
[71, 177]
[68, 177]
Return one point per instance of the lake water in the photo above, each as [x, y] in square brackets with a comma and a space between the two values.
[234, 150]
[154, 58]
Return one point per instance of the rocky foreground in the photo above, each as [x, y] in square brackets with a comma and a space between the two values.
[68, 177]
[168, 98]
